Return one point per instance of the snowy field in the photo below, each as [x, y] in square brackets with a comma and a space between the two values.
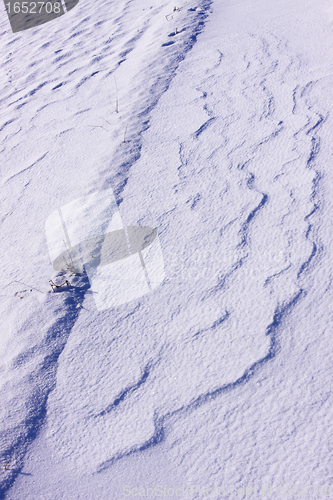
[211, 123]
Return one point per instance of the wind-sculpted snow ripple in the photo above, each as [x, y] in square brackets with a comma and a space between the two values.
[232, 192]
[230, 180]
[50, 76]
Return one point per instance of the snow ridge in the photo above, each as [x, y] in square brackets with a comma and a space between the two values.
[232, 184]
[48, 69]
[38, 343]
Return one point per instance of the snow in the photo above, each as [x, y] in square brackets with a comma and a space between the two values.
[214, 380]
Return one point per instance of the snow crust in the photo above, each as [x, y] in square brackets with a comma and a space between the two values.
[212, 124]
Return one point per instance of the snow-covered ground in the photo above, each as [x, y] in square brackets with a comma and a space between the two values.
[211, 123]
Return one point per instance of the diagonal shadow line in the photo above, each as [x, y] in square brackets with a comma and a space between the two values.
[43, 381]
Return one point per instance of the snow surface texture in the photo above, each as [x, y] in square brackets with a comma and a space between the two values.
[221, 375]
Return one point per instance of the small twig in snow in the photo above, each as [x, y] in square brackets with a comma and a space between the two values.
[31, 287]
[66, 282]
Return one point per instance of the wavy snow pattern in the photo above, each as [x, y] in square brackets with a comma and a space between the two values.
[236, 176]
[46, 70]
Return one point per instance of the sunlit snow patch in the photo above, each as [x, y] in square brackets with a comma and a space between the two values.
[122, 263]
